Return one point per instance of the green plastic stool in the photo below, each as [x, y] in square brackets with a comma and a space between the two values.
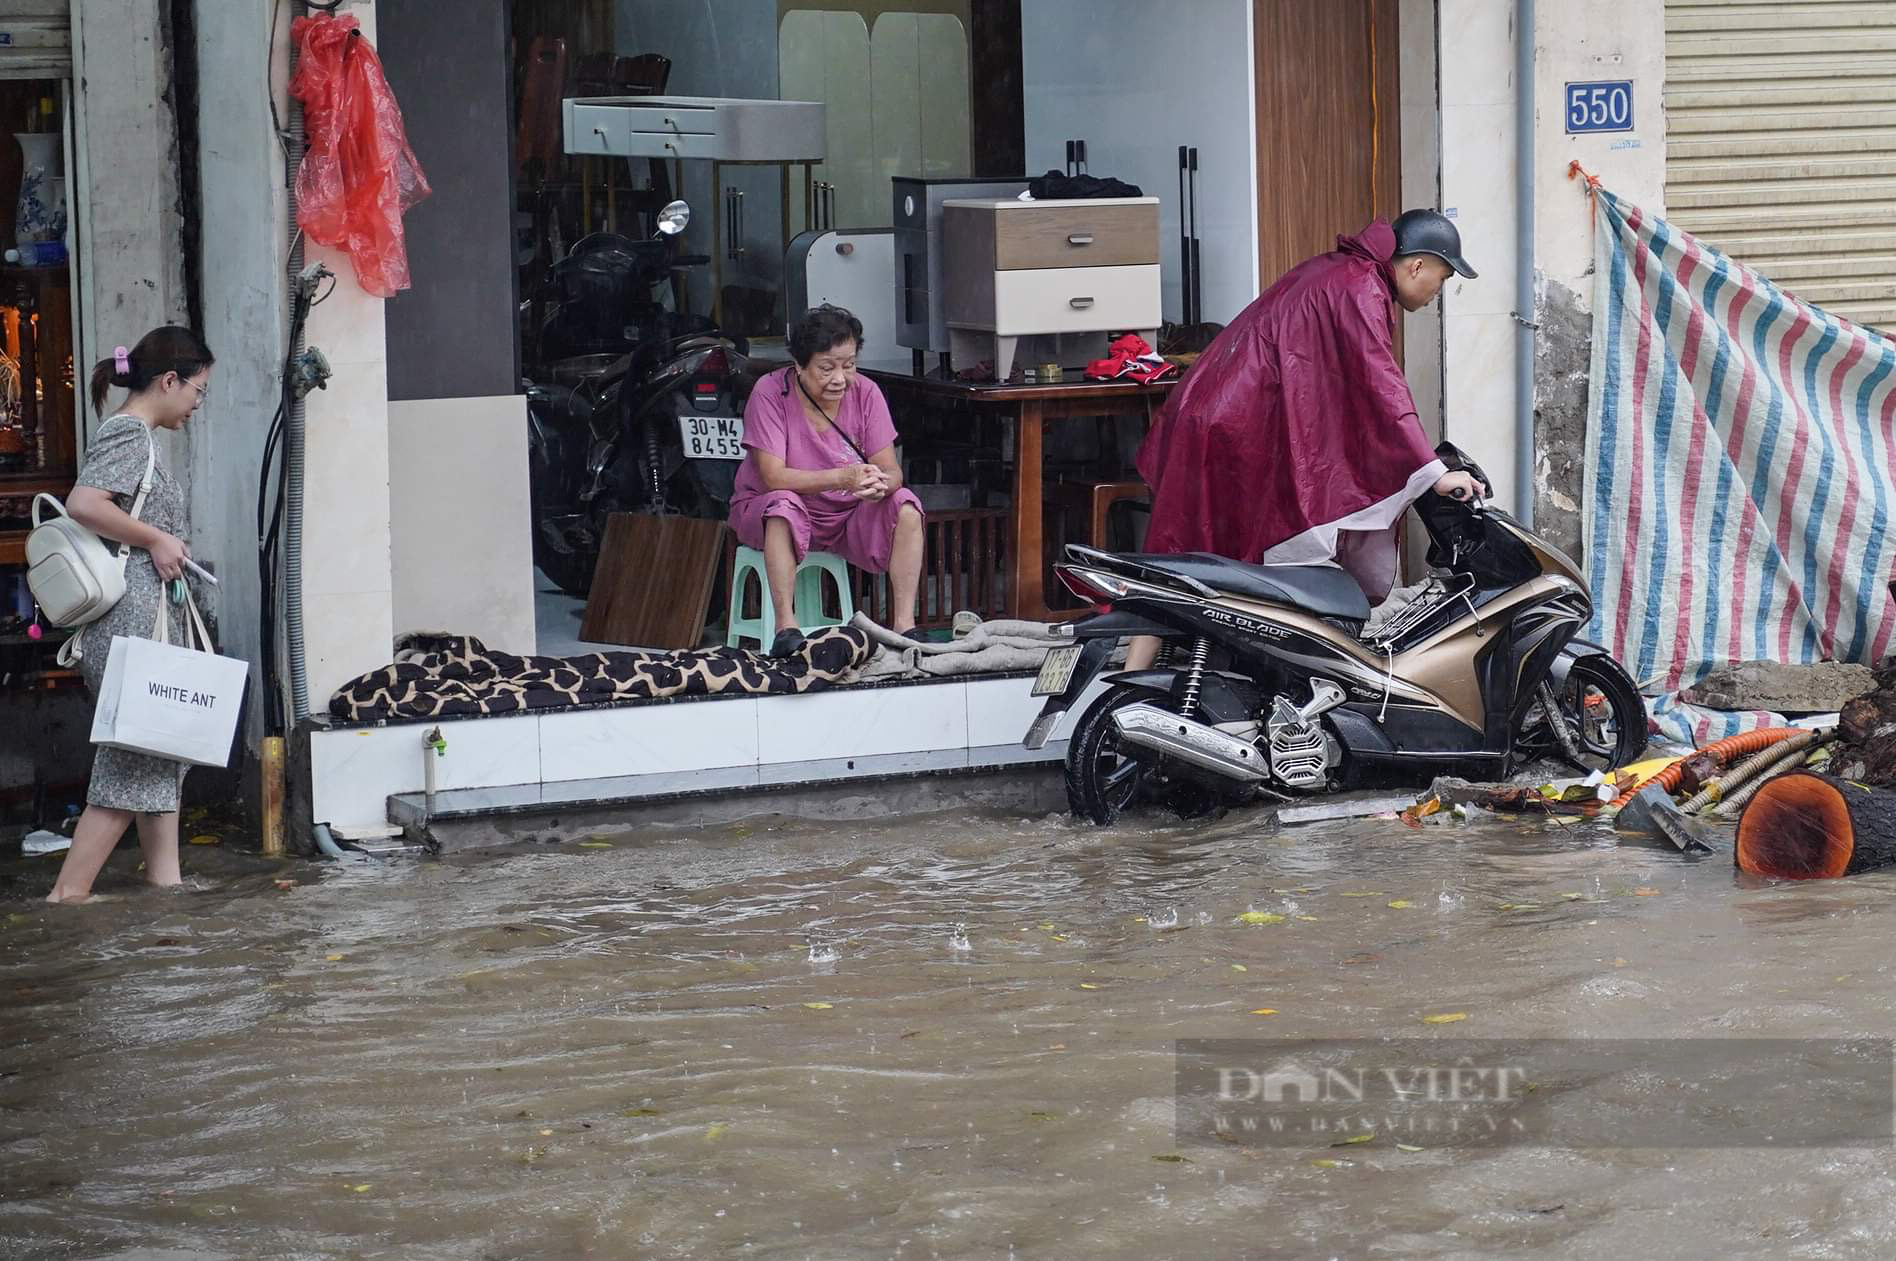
[809, 597]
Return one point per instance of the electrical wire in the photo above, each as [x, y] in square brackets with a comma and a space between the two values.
[269, 85]
[274, 476]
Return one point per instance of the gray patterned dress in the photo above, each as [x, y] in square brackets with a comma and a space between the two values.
[115, 462]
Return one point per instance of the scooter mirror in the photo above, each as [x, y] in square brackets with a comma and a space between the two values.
[674, 218]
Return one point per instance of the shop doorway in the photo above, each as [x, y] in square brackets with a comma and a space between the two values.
[1329, 141]
[39, 429]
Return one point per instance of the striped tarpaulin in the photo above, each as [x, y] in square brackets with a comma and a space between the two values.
[1740, 471]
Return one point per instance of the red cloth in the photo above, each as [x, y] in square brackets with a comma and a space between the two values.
[358, 176]
[1295, 418]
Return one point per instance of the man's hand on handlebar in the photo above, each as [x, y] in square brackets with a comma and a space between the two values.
[1461, 487]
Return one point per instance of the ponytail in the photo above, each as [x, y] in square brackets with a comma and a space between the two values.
[170, 348]
[104, 376]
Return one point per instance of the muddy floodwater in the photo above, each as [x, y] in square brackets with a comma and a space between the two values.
[945, 1037]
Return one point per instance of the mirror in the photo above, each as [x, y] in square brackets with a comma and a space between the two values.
[674, 218]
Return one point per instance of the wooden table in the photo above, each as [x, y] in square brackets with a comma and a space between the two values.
[1031, 407]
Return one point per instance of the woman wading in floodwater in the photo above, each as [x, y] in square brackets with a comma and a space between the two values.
[167, 376]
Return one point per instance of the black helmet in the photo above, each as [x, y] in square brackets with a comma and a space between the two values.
[1429, 232]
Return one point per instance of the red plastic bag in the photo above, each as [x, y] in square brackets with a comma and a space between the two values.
[358, 175]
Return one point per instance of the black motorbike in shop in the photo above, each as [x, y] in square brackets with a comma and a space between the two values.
[1269, 685]
[643, 409]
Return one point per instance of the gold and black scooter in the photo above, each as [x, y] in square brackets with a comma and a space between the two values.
[1269, 684]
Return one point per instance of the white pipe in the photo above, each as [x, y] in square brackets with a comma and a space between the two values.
[432, 747]
[1524, 302]
[326, 843]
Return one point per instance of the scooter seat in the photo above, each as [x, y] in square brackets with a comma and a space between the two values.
[1321, 589]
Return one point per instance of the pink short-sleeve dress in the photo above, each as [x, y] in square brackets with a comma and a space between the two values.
[861, 531]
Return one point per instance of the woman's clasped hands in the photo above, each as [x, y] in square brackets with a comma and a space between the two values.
[866, 482]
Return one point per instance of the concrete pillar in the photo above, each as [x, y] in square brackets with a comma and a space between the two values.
[241, 172]
[127, 224]
[348, 590]
[1421, 186]
[1583, 41]
[1578, 41]
[1477, 139]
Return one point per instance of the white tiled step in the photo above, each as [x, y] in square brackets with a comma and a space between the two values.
[725, 744]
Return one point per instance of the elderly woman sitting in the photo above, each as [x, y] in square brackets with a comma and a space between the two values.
[822, 474]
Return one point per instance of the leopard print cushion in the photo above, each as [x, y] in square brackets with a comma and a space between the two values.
[440, 676]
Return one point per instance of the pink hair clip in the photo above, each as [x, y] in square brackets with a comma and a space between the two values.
[122, 361]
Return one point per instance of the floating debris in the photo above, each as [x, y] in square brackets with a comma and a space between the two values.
[1330, 811]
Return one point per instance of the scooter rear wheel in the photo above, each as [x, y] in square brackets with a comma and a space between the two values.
[1102, 777]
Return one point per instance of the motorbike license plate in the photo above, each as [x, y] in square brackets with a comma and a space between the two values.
[712, 437]
[1057, 670]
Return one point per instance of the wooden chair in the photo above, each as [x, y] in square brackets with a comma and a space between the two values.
[540, 137]
[643, 75]
[963, 559]
[1094, 503]
[1096, 500]
[603, 74]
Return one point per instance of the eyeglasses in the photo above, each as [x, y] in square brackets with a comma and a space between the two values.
[204, 391]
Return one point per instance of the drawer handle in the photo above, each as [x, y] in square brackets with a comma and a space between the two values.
[1080, 238]
[1079, 304]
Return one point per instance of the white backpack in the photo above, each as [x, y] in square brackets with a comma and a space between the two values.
[74, 575]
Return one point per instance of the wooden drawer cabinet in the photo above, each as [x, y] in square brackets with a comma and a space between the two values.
[1065, 234]
[1019, 269]
[1072, 299]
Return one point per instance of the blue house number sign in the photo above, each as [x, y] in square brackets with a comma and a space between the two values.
[1600, 106]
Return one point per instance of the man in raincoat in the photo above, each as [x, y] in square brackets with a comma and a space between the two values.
[1294, 440]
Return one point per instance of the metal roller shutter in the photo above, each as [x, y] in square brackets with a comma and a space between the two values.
[1781, 143]
[35, 39]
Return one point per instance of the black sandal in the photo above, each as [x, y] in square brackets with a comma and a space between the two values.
[788, 643]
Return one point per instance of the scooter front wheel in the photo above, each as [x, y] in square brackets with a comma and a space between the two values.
[1604, 714]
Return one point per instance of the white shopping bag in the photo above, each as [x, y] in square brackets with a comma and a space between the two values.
[169, 701]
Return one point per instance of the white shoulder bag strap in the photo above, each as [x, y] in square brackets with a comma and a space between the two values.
[144, 489]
